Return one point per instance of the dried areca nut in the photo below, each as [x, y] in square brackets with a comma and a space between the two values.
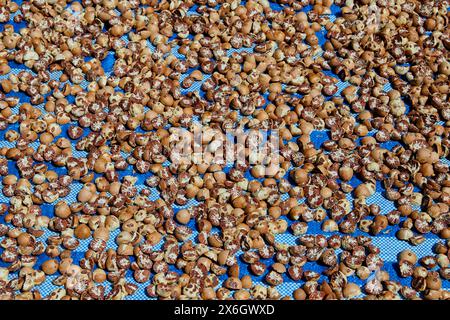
[311, 275]
[428, 262]
[442, 260]
[85, 195]
[433, 281]
[295, 272]
[62, 210]
[416, 240]
[299, 294]
[364, 190]
[82, 231]
[419, 284]
[132, 108]
[183, 216]
[408, 255]
[274, 278]
[422, 226]
[444, 273]
[373, 286]
[330, 226]
[351, 290]
[141, 276]
[420, 272]
[408, 292]
[101, 233]
[329, 257]
[363, 272]
[392, 286]
[404, 234]
[299, 228]
[70, 243]
[50, 266]
[406, 268]
[99, 275]
[233, 283]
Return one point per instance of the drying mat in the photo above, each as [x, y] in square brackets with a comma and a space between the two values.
[389, 245]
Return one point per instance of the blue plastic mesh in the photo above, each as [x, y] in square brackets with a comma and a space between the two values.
[389, 245]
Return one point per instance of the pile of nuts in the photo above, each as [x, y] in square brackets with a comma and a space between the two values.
[257, 67]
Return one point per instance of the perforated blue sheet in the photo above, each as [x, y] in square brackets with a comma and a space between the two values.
[389, 245]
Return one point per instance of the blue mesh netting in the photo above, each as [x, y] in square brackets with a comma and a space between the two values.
[386, 241]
